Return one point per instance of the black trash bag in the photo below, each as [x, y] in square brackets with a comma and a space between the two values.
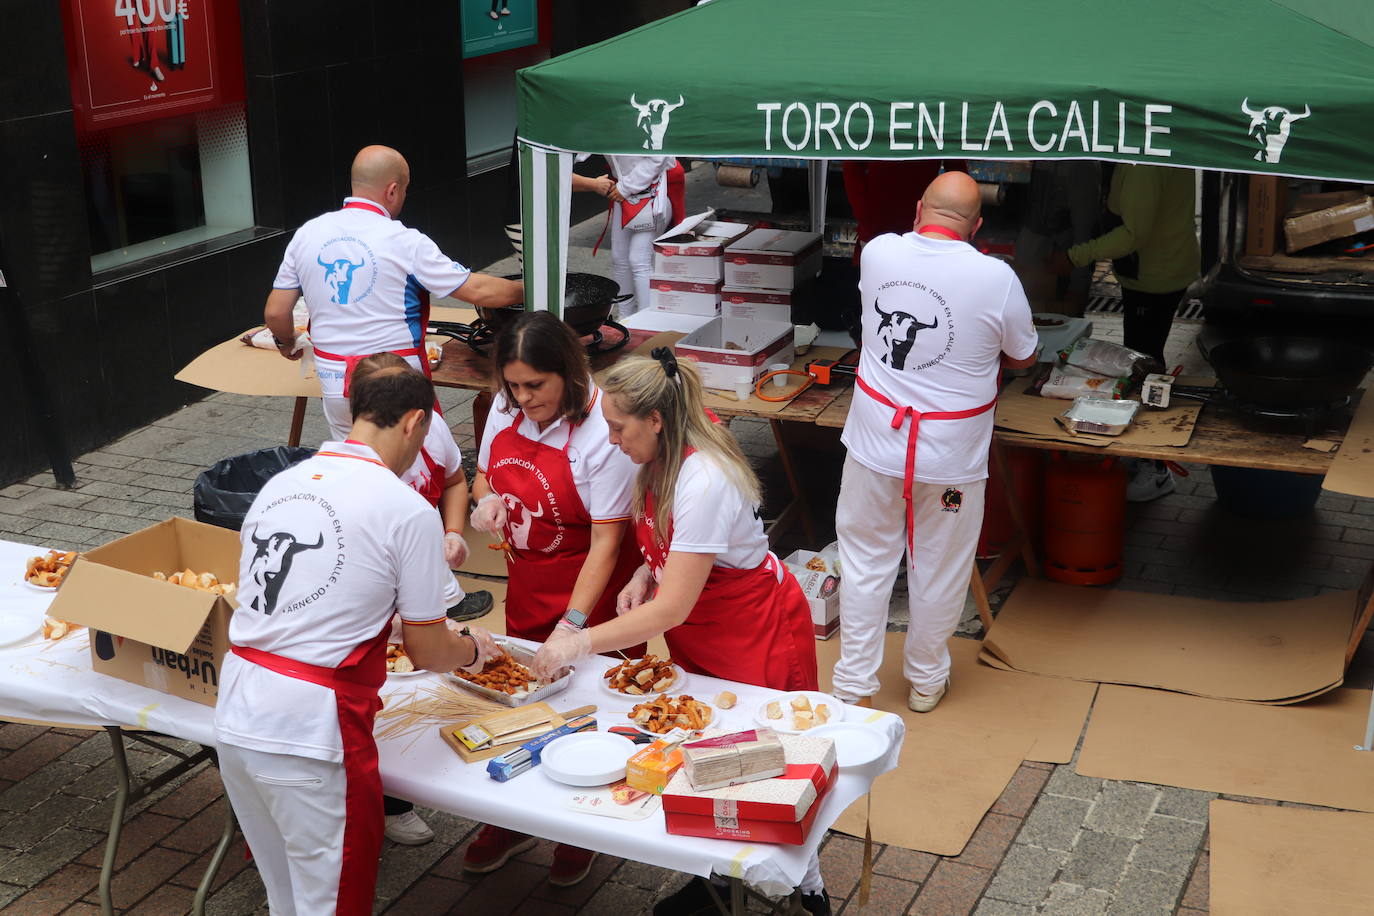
[225, 491]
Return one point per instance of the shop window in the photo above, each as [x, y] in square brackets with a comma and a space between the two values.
[499, 38]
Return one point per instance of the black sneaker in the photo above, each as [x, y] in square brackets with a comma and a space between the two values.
[816, 904]
[692, 899]
[473, 605]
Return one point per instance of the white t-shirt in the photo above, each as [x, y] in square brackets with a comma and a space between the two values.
[441, 448]
[331, 547]
[603, 474]
[937, 316]
[365, 278]
[711, 515]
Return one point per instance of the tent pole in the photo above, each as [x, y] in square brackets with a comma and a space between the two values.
[818, 170]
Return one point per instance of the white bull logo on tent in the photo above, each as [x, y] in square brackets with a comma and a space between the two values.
[1269, 128]
[653, 119]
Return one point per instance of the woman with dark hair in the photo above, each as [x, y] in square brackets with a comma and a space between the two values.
[551, 485]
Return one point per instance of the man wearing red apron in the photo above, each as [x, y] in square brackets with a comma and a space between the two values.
[940, 320]
[332, 547]
[367, 280]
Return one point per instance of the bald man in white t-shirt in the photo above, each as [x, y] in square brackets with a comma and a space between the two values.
[940, 322]
[367, 280]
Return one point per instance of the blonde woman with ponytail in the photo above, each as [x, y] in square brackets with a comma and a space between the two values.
[726, 606]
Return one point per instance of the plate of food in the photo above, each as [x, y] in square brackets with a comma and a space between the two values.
[45, 573]
[798, 711]
[664, 713]
[641, 677]
[506, 679]
[399, 665]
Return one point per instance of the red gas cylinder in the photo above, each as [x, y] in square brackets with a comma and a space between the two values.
[1085, 509]
[1027, 466]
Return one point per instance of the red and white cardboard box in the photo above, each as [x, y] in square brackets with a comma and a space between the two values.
[725, 349]
[778, 810]
[822, 590]
[684, 295]
[773, 259]
[756, 304]
[695, 247]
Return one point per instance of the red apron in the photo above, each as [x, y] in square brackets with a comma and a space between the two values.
[355, 683]
[351, 362]
[748, 625]
[433, 486]
[899, 417]
[549, 532]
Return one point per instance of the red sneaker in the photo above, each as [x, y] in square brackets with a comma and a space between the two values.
[570, 865]
[493, 848]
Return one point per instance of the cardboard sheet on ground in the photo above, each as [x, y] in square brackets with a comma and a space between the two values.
[1352, 470]
[235, 367]
[482, 560]
[955, 763]
[1263, 652]
[1301, 753]
[1035, 415]
[1269, 861]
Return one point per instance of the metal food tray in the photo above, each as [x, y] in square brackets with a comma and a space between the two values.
[1095, 415]
[523, 656]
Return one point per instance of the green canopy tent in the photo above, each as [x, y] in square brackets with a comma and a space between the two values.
[1282, 87]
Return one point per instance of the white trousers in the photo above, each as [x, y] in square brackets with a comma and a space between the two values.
[291, 810]
[339, 416]
[632, 260]
[870, 521]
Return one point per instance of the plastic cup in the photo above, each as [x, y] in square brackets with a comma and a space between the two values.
[779, 380]
[744, 386]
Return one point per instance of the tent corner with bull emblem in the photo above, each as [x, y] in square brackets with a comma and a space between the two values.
[653, 118]
[1269, 127]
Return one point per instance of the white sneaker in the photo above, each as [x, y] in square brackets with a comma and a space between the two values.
[1151, 480]
[919, 702]
[408, 829]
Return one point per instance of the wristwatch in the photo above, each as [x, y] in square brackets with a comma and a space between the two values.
[575, 618]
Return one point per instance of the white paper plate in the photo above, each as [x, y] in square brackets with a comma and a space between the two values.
[403, 675]
[857, 746]
[675, 687]
[586, 758]
[19, 625]
[41, 589]
[785, 700]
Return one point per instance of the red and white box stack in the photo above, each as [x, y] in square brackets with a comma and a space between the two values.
[777, 810]
[727, 350]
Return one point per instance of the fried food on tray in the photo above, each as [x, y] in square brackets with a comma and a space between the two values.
[643, 676]
[665, 713]
[201, 582]
[502, 673]
[801, 704]
[801, 721]
[49, 570]
[397, 662]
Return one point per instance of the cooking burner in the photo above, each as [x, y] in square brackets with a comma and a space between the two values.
[608, 338]
[1308, 420]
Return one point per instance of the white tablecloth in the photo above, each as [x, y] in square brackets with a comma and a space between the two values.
[53, 682]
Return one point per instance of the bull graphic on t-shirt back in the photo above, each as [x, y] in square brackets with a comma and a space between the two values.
[519, 519]
[270, 566]
[338, 276]
[898, 332]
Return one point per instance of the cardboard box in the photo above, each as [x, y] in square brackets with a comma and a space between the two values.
[149, 632]
[773, 259]
[651, 767]
[1355, 214]
[822, 590]
[753, 304]
[695, 247]
[684, 295]
[726, 348]
[777, 810]
[1268, 202]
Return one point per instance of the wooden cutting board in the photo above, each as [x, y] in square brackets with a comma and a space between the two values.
[531, 715]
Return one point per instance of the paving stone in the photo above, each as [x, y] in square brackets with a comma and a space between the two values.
[8, 892]
[242, 894]
[201, 788]
[36, 788]
[61, 536]
[612, 900]
[908, 864]
[91, 752]
[107, 459]
[47, 856]
[1170, 844]
[1054, 822]
[1064, 781]
[1026, 874]
[57, 810]
[1188, 804]
[842, 860]
[112, 490]
[990, 841]
[15, 735]
[1198, 892]
[1074, 900]
[430, 896]
[1122, 808]
[16, 524]
[1145, 893]
[1097, 860]
[951, 888]
[56, 893]
[137, 837]
[168, 900]
[235, 861]
[1021, 791]
[17, 490]
[640, 874]
[885, 895]
[990, 907]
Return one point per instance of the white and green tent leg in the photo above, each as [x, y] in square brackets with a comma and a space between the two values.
[546, 199]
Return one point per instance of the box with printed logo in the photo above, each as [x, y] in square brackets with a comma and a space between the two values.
[729, 349]
[753, 304]
[777, 810]
[684, 295]
[773, 259]
[695, 247]
[167, 637]
[821, 587]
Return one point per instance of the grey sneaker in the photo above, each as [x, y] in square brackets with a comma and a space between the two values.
[408, 829]
[473, 605]
[1151, 480]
